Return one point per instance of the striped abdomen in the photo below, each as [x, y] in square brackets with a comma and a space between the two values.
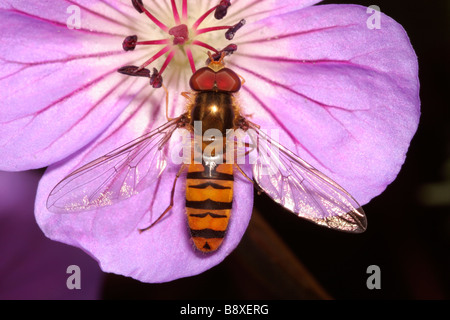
[209, 197]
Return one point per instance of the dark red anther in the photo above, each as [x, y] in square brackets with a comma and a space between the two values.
[228, 50]
[134, 71]
[180, 33]
[232, 31]
[221, 10]
[129, 43]
[156, 79]
[137, 4]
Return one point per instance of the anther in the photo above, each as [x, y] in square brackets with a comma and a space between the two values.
[156, 79]
[134, 71]
[221, 10]
[129, 43]
[232, 31]
[138, 5]
[228, 50]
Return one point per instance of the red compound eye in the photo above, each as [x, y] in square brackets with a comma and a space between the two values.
[203, 79]
[227, 80]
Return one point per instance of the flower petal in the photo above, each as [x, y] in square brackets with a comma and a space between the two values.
[346, 96]
[256, 10]
[59, 86]
[36, 267]
[110, 234]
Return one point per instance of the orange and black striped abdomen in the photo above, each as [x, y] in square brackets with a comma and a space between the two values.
[209, 198]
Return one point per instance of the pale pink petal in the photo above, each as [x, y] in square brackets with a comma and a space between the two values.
[59, 86]
[254, 10]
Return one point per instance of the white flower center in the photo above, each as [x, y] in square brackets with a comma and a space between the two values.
[178, 38]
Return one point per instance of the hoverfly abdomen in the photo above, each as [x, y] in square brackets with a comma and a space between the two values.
[209, 199]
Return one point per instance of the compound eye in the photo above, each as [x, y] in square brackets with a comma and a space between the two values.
[203, 79]
[227, 80]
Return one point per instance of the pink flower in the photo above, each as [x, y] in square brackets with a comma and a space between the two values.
[344, 95]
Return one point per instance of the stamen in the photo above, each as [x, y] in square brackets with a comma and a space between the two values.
[150, 42]
[134, 71]
[203, 17]
[228, 50]
[156, 79]
[175, 12]
[204, 45]
[156, 56]
[191, 59]
[205, 30]
[138, 5]
[129, 43]
[221, 10]
[184, 11]
[230, 33]
[166, 63]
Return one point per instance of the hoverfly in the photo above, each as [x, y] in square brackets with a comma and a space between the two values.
[278, 172]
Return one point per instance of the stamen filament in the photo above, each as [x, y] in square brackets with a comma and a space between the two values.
[203, 17]
[204, 45]
[191, 59]
[156, 21]
[175, 12]
[168, 59]
[185, 11]
[150, 42]
[205, 30]
[156, 56]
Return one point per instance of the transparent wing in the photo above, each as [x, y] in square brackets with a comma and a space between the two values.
[302, 189]
[115, 176]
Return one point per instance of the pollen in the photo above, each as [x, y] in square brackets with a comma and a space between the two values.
[182, 39]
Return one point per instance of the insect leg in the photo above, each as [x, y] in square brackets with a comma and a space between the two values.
[242, 79]
[258, 189]
[171, 201]
[187, 95]
[167, 103]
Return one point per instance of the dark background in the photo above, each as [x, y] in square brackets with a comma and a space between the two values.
[409, 224]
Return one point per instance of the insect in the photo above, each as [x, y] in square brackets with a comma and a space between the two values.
[277, 171]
